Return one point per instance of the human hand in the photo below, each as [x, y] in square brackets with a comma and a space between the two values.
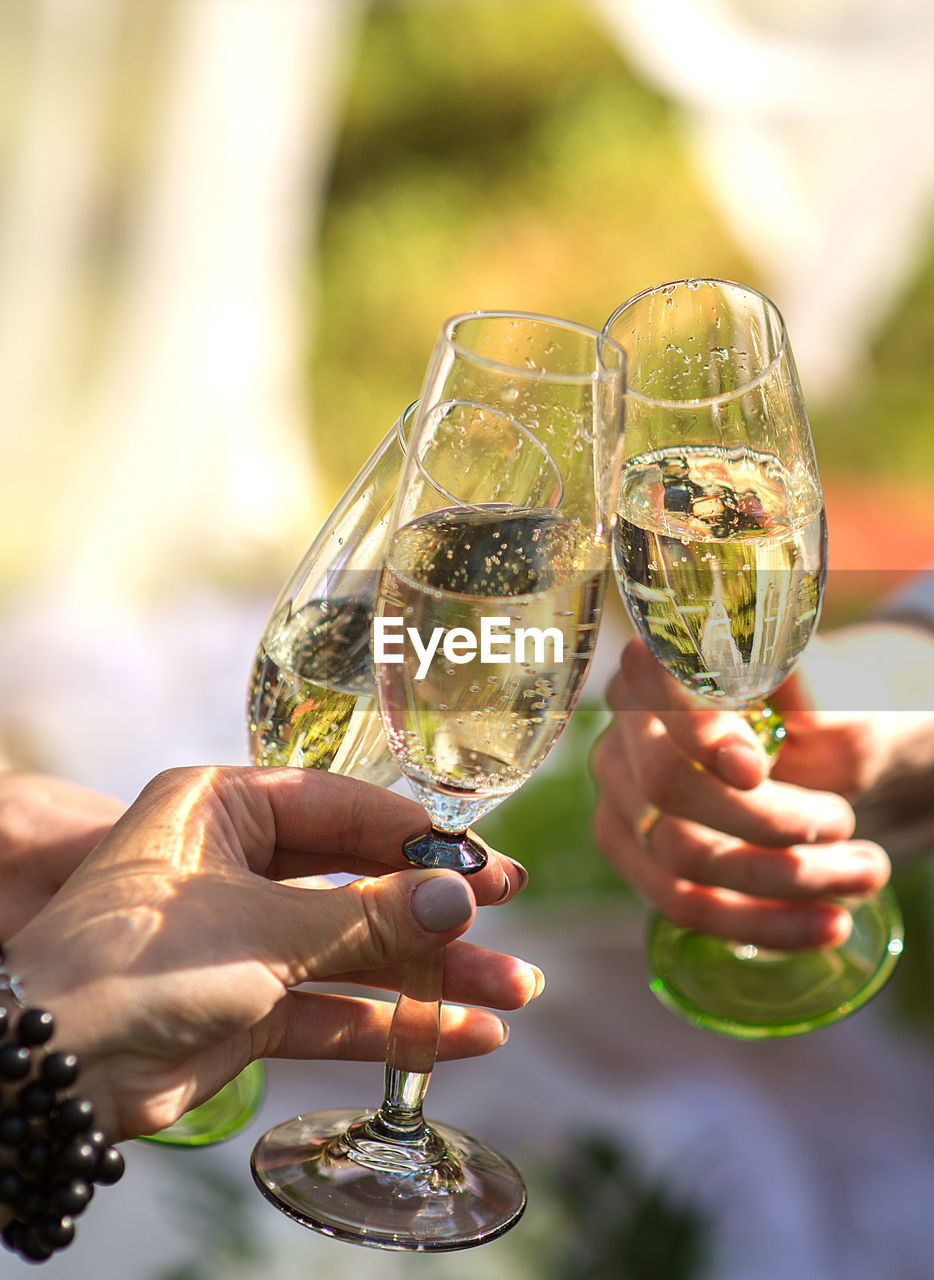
[860, 713]
[170, 958]
[47, 827]
[725, 847]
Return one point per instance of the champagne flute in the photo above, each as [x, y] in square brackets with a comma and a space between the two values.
[719, 548]
[312, 697]
[311, 701]
[493, 578]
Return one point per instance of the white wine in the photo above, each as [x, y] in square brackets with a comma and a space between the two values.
[312, 695]
[721, 562]
[469, 731]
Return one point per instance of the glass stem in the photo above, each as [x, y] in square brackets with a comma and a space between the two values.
[768, 725]
[412, 1049]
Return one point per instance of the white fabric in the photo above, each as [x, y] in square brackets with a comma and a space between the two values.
[807, 123]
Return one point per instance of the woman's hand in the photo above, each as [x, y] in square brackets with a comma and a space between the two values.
[689, 814]
[47, 827]
[172, 955]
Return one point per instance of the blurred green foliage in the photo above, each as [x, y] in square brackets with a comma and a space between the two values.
[504, 155]
[515, 163]
[616, 1222]
[546, 824]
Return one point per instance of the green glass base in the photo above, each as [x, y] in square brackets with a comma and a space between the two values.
[229, 1111]
[754, 994]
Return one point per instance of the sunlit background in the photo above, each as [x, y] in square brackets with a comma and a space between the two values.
[229, 232]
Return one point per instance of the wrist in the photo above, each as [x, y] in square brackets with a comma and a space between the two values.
[54, 1151]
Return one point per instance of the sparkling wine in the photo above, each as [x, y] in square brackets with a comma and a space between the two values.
[312, 696]
[467, 729]
[720, 556]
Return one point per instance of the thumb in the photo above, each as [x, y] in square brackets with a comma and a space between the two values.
[371, 923]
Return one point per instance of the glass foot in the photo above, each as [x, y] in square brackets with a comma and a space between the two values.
[330, 1171]
[229, 1111]
[754, 994]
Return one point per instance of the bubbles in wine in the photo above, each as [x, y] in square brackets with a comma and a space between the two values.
[721, 562]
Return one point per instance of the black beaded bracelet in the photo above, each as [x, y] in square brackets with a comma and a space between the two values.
[58, 1153]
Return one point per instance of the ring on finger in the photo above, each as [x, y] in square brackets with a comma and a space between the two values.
[643, 825]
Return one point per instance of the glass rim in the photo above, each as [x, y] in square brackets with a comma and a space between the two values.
[602, 340]
[723, 397]
[403, 425]
[419, 458]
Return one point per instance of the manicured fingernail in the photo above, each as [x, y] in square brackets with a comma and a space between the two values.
[442, 903]
[739, 762]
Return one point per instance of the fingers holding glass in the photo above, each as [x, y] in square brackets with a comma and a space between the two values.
[775, 895]
[719, 547]
[720, 740]
[309, 1024]
[492, 579]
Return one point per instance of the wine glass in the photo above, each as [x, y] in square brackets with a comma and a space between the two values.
[493, 578]
[719, 547]
[312, 696]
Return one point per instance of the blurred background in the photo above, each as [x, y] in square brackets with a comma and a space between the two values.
[229, 232]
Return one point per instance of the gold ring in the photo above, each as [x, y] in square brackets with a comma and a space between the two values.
[644, 823]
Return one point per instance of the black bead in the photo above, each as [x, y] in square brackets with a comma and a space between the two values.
[12, 1186]
[97, 1139]
[31, 1247]
[55, 1233]
[14, 1061]
[59, 1070]
[36, 1099]
[75, 1115]
[35, 1155]
[110, 1167]
[32, 1204]
[71, 1197]
[4, 1019]
[35, 1026]
[12, 1233]
[79, 1159]
[14, 1128]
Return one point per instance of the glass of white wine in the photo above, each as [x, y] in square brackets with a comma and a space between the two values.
[311, 701]
[493, 578]
[719, 548]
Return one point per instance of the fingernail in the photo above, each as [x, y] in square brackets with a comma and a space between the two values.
[442, 903]
[739, 762]
[507, 883]
[523, 874]
[505, 1032]
[539, 980]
